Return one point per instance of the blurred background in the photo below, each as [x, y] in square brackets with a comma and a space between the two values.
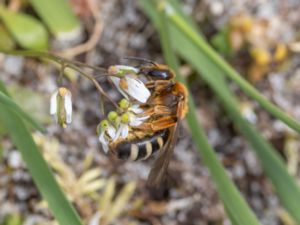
[259, 38]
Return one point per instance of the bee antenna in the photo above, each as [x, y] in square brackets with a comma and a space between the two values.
[141, 59]
[101, 75]
[105, 75]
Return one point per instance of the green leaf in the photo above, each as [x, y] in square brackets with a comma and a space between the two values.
[236, 205]
[28, 31]
[6, 41]
[3, 88]
[58, 16]
[35, 104]
[39, 170]
[7, 102]
[1, 149]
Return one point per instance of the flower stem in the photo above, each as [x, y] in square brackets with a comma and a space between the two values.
[75, 65]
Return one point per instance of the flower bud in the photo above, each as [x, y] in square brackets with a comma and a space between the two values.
[112, 116]
[61, 106]
[124, 104]
[122, 70]
[125, 118]
[102, 126]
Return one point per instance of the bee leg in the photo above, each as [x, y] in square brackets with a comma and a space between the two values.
[159, 124]
[182, 94]
[157, 111]
[159, 85]
[155, 100]
[164, 123]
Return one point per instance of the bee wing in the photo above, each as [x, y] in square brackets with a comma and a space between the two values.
[158, 171]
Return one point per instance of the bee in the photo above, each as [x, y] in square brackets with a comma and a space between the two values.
[166, 107]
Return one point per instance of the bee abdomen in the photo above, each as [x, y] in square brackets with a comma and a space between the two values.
[142, 148]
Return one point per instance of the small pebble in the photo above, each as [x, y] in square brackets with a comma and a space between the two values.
[216, 8]
[15, 159]
[13, 65]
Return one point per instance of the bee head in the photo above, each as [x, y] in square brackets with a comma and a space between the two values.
[157, 72]
[154, 70]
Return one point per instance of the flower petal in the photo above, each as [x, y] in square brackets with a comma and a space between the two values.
[102, 138]
[136, 109]
[68, 107]
[104, 142]
[117, 134]
[137, 90]
[111, 131]
[136, 121]
[105, 148]
[116, 82]
[53, 103]
[124, 131]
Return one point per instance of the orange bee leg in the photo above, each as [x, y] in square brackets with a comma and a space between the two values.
[157, 110]
[155, 100]
[182, 107]
[159, 85]
[159, 124]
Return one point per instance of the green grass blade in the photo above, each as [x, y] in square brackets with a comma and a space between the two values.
[58, 16]
[27, 31]
[273, 165]
[237, 206]
[3, 89]
[203, 46]
[177, 7]
[39, 170]
[231, 216]
[9, 103]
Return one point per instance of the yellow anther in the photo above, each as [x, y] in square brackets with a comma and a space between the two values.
[63, 91]
[125, 118]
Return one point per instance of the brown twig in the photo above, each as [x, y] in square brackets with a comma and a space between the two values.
[92, 42]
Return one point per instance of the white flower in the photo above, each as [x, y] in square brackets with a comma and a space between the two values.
[133, 112]
[128, 120]
[136, 121]
[106, 133]
[61, 106]
[132, 87]
[135, 109]
[126, 106]
[123, 131]
[127, 84]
